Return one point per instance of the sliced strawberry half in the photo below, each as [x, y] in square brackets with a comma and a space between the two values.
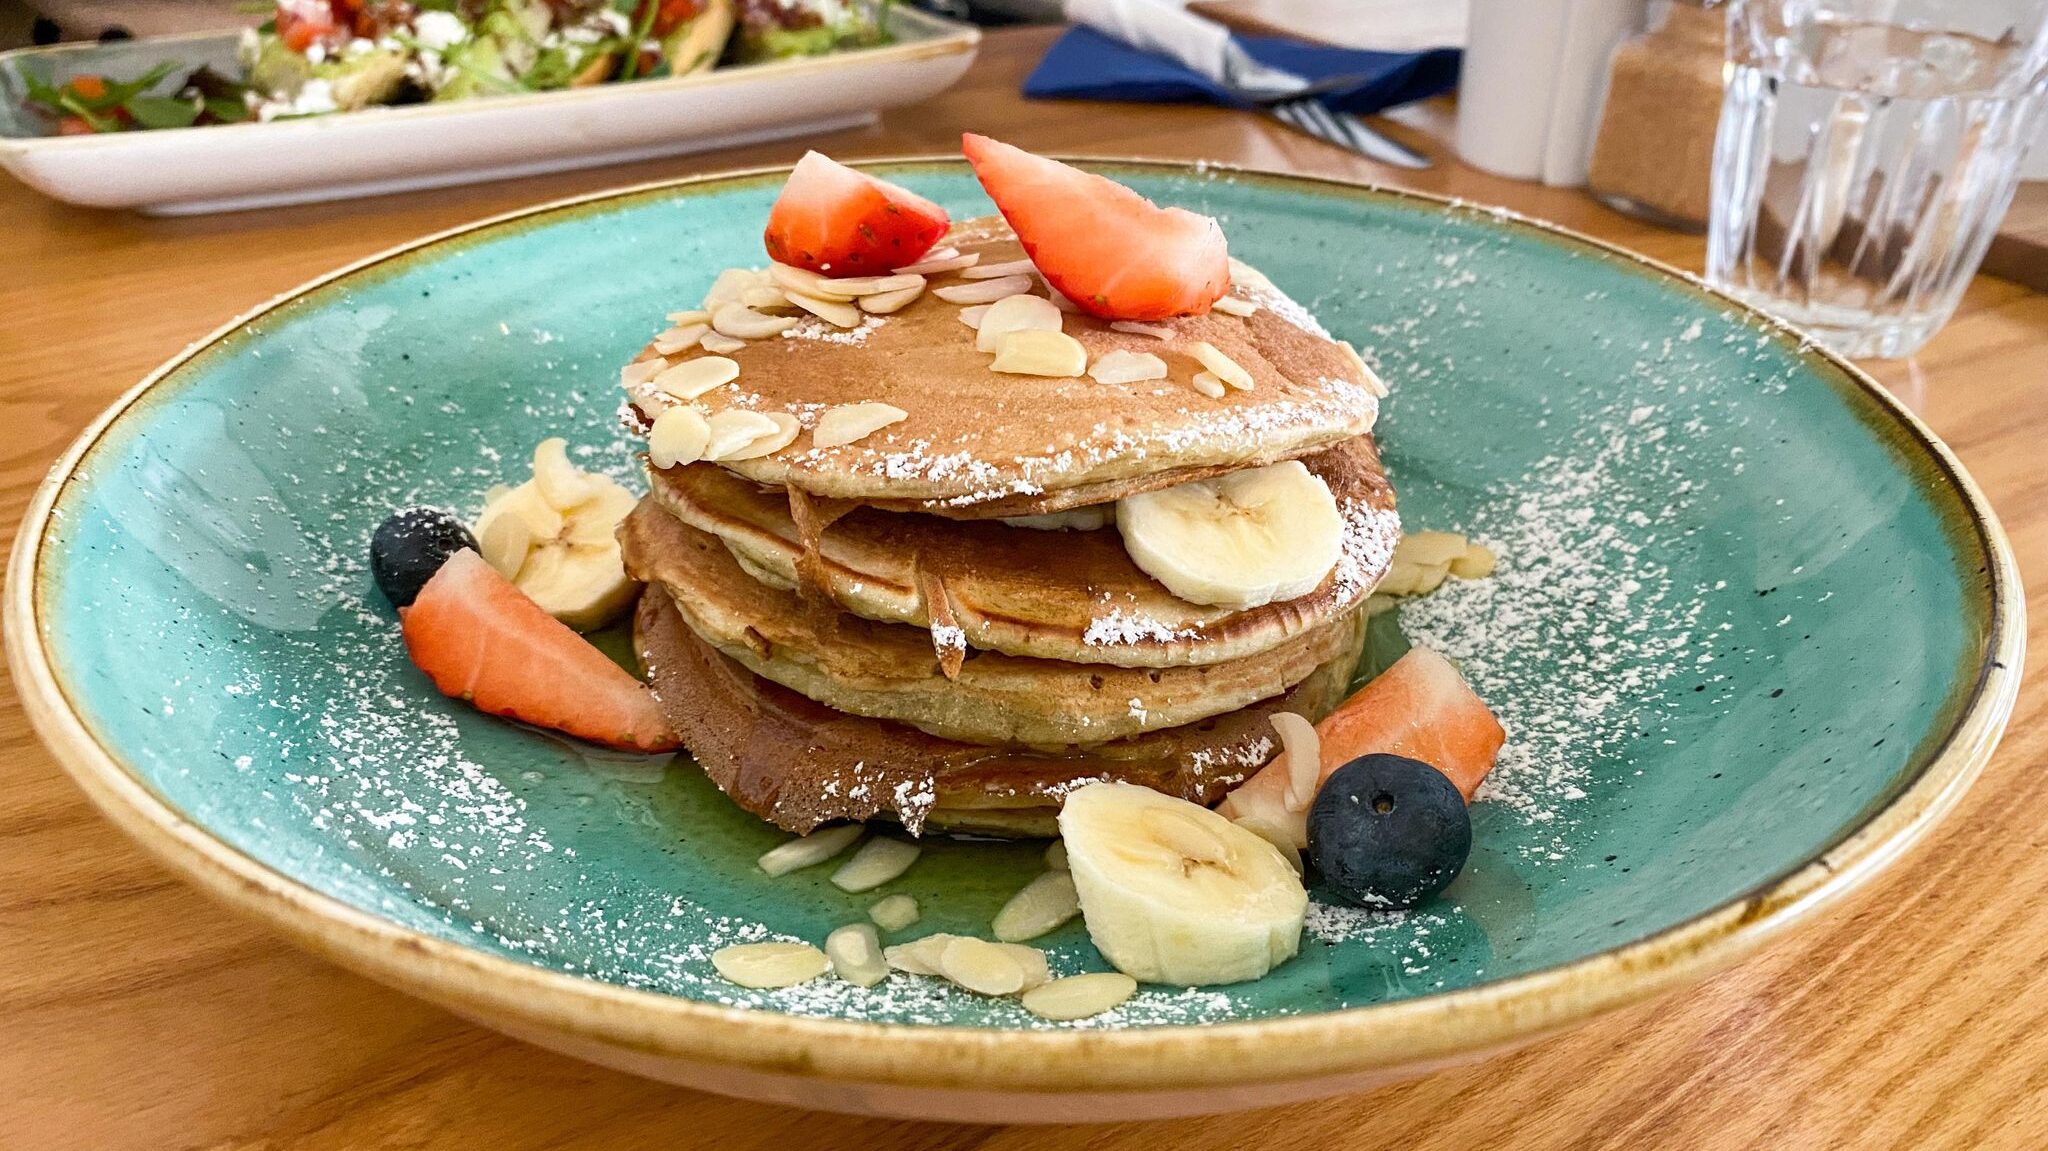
[837, 222]
[1114, 253]
[1420, 707]
[481, 639]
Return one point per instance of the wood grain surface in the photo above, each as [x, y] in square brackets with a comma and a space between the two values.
[134, 1014]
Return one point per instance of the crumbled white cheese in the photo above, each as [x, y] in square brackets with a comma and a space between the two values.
[437, 31]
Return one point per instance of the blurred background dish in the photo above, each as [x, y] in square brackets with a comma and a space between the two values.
[295, 158]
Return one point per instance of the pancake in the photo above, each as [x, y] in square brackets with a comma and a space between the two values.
[979, 444]
[1063, 595]
[890, 671]
[799, 764]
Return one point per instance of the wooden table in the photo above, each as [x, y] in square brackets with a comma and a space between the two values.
[134, 1014]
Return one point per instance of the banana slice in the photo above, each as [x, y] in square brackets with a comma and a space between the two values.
[555, 537]
[1174, 893]
[1240, 540]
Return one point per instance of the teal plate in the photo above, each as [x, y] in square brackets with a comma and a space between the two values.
[1753, 630]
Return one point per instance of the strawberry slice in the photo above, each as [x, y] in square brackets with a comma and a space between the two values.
[1420, 707]
[1117, 255]
[481, 639]
[836, 222]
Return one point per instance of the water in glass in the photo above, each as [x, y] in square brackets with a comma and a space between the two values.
[1867, 150]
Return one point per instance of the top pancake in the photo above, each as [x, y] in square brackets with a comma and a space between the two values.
[979, 444]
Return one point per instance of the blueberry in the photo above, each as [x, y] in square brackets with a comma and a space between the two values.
[410, 547]
[1387, 831]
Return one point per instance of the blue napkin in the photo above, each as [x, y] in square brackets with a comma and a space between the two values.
[1086, 65]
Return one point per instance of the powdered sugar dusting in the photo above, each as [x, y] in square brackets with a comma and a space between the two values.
[813, 328]
[1579, 623]
[1123, 627]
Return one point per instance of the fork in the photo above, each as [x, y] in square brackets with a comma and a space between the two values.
[1312, 117]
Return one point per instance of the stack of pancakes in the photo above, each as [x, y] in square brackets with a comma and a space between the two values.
[939, 623]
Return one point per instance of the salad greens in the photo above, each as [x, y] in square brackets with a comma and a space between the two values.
[87, 104]
[320, 56]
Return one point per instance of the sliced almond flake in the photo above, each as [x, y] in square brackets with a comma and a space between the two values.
[839, 315]
[981, 967]
[983, 291]
[884, 303]
[921, 957]
[1019, 313]
[856, 954]
[679, 436]
[641, 371]
[879, 285]
[1430, 547]
[850, 423]
[1406, 578]
[785, 428]
[730, 283]
[917, 957]
[877, 862]
[1288, 841]
[769, 965]
[692, 378]
[1137, 329]
[678, 338]
[949, 641]
[1371, 379]
[649, 405]
[1207, 384]
[1059, 299]
[1126, 367]
[1043, 905]
[1080, 996]
[1007, 268]
[743, 323]
[1245, 274]
[693, 316]
[1034, 353]
[719, 343]
[972, 316]
[1036, 968]
[1235, 306]
[1477, 563]
[1302, 751]
[894, 913]
[1222, 366]
[735, 428]
[1056, 855]
[800, 281]
[766, 299]
[932, 264]
[809, 850]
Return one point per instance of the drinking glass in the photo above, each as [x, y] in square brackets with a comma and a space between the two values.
[1867, 150]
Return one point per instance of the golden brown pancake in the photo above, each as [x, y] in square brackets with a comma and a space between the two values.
[980, 444]
[798, 764]
[890, 671]
[1065, 595]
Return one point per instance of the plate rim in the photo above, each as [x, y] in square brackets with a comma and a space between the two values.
[1346, 1042]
